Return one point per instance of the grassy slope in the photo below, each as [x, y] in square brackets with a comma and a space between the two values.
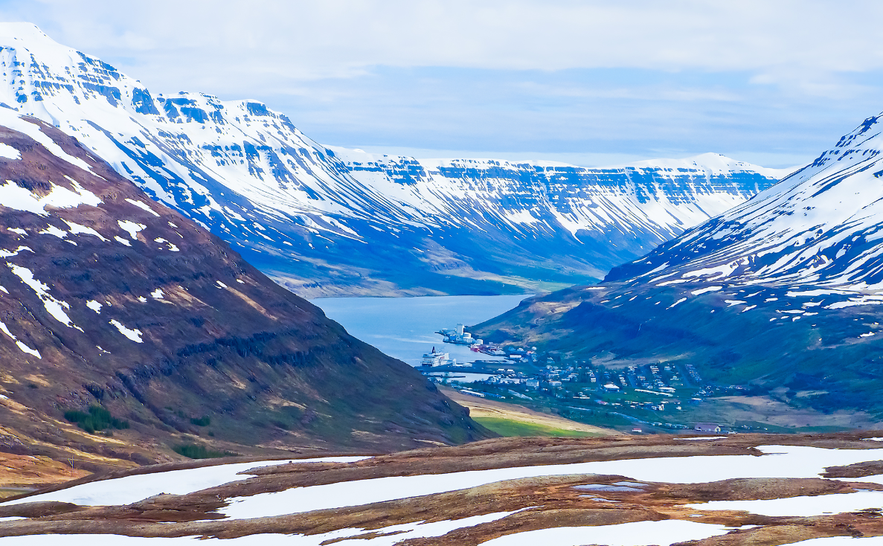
[816, 363]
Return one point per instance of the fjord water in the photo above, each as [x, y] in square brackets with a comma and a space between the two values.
[404, 328]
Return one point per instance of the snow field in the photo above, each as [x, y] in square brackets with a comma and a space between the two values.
[777, 462]
[129, 489]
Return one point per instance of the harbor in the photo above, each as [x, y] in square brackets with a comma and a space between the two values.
[405, 328]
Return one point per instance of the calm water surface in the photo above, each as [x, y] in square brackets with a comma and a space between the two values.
[404, 327]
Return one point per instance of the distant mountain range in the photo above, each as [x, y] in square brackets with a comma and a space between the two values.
[330, 221]
[781, 294]
[127, 330]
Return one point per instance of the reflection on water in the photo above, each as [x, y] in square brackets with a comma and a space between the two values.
[405, 328]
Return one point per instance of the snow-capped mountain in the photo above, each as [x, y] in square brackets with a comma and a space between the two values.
[327, 220]
[110, 299]
[783, 292]
[821, 225]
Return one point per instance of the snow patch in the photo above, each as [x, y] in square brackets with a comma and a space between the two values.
[52, 230]
[94, 305]
[54, 307]
[77, 229]
[129, 489]
[131, 228]
[143, 206]
[639, 533]
[24, 348]
[8, 152]
[134, 335]
[14, 197]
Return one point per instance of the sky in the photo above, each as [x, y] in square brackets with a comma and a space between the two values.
[586, 82]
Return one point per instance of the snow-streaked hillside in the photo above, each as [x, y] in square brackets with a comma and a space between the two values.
[113, 303]
[781, 295]
[332, 221]
[821, 225]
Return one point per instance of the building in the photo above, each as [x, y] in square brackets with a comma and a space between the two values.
[707, 427]
[458, 336]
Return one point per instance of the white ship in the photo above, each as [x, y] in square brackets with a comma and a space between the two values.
[435, 358]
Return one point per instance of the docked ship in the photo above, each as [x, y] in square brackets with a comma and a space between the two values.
[435, 358]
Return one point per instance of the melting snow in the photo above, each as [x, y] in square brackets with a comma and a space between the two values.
[15, 197]
[24, 348]
[637, 533]
[9, 254]
[172, 247]
[801, 506]
[706, 290]
[131, 489]
[143, 206]
[8, 152]
[17, 230]
[860, 300]
[77, 229]
[94, 305]
[778, 462]
[131, 227]
[134, 335]
[157, 294]
[52, 230]
[119, 239]
[383, 536]
[53, 306]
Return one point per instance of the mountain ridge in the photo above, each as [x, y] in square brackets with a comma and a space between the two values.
[109, 300]
[780, 295]
[321, 221]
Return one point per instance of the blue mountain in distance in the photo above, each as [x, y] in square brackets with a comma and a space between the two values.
[330, 221]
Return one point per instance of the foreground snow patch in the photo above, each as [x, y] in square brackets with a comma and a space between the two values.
[342, 537]
[778, 462]
[131, 489]
[801, 506]
[662, 533]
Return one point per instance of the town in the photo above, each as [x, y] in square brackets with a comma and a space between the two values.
[640, 398]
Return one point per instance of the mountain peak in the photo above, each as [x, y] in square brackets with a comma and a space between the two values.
[23, 31]
[309, 214]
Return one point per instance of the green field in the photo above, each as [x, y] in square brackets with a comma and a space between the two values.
[509, 427]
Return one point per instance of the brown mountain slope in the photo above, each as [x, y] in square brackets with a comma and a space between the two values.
[123, 303]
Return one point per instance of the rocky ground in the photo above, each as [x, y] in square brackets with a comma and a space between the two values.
[505, 490]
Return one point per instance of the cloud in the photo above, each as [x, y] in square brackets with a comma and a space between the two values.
[556, 76]
[336, 38]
